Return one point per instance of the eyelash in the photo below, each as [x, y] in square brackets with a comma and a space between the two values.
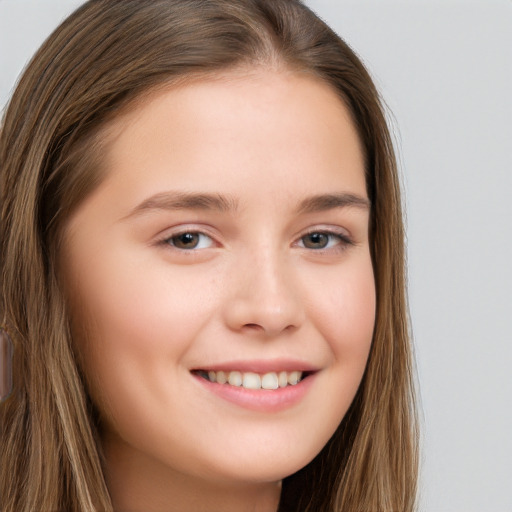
[170, 240]
[343, 241]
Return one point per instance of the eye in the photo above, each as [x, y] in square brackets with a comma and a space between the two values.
[321, 240]
[190, 240]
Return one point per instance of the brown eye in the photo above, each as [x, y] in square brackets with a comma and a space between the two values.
[325, 240]
[190, 240]
[316, 240]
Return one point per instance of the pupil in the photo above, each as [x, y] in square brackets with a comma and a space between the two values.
[187, 240]
[316, 240]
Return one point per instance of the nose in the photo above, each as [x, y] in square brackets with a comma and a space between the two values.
[264, 297]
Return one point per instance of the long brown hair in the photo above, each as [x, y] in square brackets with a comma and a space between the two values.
[103, 57]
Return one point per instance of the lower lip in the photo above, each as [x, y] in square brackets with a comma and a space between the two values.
[261, 400]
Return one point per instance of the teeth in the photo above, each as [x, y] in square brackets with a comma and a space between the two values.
[250, 380]
[293, 378]
[234, 379]
[270, 381]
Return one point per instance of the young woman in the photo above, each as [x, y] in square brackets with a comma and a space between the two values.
[202, 269]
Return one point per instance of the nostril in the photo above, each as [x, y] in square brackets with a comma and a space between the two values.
[255, 327]
[257, 314]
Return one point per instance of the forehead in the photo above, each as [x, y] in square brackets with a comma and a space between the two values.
[275, 132]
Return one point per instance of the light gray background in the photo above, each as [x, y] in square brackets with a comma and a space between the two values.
[444, 68]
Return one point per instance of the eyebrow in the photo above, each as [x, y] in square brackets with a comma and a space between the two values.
[324, 202]
[186, 201]
[221, 203]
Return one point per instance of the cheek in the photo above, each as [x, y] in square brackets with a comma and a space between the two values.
[345, 315]
[134, 298]
[344, 310]
[140, 320]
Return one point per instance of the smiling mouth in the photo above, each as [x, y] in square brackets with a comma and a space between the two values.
[250, 380]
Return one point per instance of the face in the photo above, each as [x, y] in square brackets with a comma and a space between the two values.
[227, 242]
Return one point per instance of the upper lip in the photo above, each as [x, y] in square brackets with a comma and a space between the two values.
[260, 366]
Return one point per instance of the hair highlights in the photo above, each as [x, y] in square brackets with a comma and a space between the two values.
[101, 59]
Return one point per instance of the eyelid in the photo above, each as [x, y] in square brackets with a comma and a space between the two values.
[171, 233]
[174, 241]
[332, 231]
[338, 232]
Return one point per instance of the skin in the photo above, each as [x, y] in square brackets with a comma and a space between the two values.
[254, 288]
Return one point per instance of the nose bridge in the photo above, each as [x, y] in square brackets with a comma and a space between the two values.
[264, 296]
[270, 279]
